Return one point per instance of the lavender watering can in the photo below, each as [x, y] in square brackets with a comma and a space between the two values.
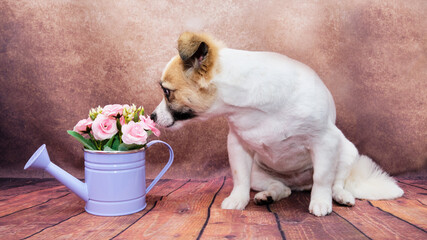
[114, 181]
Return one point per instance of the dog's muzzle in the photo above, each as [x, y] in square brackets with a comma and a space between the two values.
[164, 116]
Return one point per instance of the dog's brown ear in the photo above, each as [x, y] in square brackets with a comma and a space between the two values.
[199, 54]
[193, 49]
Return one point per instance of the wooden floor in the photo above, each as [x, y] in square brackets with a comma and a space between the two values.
[189, 209]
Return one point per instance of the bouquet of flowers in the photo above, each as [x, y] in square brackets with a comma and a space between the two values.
[115, 128]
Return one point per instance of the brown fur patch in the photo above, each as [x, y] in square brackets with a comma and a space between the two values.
[188, 44]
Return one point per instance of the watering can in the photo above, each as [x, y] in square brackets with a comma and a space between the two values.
[114, 180]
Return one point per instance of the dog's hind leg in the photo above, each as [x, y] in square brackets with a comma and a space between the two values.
[347, 156]
[270, 189]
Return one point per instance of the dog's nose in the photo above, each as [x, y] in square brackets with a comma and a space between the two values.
[153, 117]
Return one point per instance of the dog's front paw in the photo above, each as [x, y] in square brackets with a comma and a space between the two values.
[320, 208]
[233, 202]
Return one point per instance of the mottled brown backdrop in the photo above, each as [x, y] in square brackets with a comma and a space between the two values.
[60, 58]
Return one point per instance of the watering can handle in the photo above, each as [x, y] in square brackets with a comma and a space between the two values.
[165, 168]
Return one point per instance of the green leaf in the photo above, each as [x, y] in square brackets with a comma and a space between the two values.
[86, 142]
[136, 117]
[123, 147]
[110, 142]
[108, 149]
[128, 147]
[116, 143]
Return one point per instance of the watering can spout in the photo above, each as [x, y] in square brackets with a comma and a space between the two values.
[41, 160]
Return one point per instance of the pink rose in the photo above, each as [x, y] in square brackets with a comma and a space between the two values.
[150, 125]
[134, 133]
[83, 125]
[104, 127]
[112, 110]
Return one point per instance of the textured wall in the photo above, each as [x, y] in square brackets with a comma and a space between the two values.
[60, 58]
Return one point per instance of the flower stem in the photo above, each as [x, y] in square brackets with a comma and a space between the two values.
[94, 141]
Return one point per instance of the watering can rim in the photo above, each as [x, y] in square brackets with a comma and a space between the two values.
[115, 152]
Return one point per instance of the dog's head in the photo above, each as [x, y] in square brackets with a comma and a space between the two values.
[186, 81]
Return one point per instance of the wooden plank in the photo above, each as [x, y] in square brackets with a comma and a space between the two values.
[24, 201]
[414, 192]
[421, 183]
[26, 186]
[31, 220]
[243, 224]
[409, 210]
[183, 212]
[96, 227]
[412, 207]
[8, 183]
[255, 222]
[180, 215]
[298, 223]
[377, 224]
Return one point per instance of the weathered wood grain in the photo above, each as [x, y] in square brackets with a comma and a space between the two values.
[410, 210]
[26, 186]
[48, 214]
[377, 224]
[180, 215]
[87, 226]
[236, 224]
[420, 183]
[15, 183]
[23, 201]
[415, 192]
[192, 210]
[255, 222]
[298, 223]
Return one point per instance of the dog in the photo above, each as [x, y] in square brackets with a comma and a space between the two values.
[281, 117]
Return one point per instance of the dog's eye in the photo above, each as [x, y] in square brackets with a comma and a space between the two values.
[167, 92]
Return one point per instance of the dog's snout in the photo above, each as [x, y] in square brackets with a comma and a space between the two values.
[153, 116]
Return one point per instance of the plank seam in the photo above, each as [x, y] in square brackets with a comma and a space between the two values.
[178, 188]
[352, 225]
[24, 182]
[279, 225]
[149, 210]
[33, 191]
[209, 210]
[53, 225]
[34, 205]
[412, 185]
[391, 214]
[414, 200]
[421, 202]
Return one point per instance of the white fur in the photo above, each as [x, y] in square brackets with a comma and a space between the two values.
[282, 127]
[166, 118]
[368, 181]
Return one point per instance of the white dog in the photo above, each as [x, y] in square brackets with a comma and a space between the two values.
[281, 118]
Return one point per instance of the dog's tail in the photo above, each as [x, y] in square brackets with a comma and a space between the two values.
[368, 181]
